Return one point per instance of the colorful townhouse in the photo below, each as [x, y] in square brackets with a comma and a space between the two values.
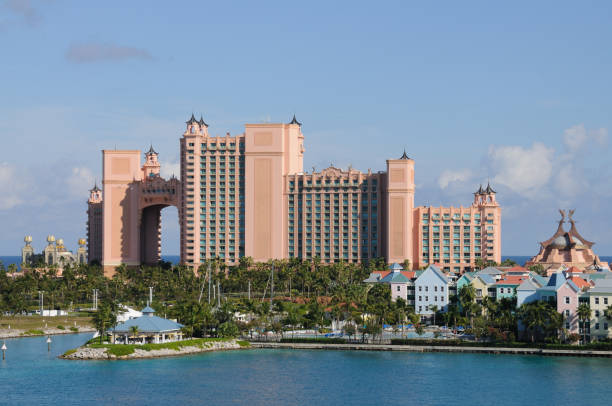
[599, 299]
[431, 291]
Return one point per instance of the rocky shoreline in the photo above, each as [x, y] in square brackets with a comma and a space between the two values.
[19, 333]
[90, 353]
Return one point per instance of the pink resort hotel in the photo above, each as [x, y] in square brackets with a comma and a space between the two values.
[248, 195]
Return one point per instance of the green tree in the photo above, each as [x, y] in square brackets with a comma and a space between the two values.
[134, 330]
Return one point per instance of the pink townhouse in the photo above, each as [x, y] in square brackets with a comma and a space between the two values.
[567, 305]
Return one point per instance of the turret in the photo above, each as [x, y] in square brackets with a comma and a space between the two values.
[151, 166]
[196, 127]
[95, 194]
[486, 196]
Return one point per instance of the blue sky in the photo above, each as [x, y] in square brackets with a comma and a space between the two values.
[517, 93]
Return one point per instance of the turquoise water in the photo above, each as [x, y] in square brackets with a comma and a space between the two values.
[30, 375]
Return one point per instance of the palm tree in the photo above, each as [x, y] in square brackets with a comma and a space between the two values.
[434, 310]
[608, 312]
[134, 330]
[584, 315]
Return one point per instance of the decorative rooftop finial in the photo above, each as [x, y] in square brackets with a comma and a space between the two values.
[489, 189]
[151, 151]
[480, 191]
[294, 121]
[201, 122]
[404, 156]
[192, 120]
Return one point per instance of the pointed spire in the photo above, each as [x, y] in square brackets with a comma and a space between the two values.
[192, 120]
[294, 121]
[151, 151]
[480, 191]
[202, 123]
[95, 188]
[404, 155]
[489, 189]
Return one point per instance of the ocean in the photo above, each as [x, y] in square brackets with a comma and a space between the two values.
[32, 376]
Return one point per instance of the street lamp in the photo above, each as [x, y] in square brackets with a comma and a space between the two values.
[48, 343]
[3, 350]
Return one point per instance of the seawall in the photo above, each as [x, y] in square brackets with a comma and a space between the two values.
[425, 348]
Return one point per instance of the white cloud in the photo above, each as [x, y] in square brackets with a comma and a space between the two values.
[94, 52]
[12, 188]
[577, 137]
[170, 168]
[523, 170]
[80, 181]
[449, 176]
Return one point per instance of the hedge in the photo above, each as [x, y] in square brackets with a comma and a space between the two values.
[313, 340]
[601, 346]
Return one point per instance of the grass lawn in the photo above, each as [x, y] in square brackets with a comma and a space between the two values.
[38, 322]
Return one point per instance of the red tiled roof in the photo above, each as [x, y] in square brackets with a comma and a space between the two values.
[407, 274]
[581, 283]
[516, 269]
[511, 280]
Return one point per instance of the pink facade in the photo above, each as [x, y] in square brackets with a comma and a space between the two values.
[567, 305]
[248, 195]
[457, 237]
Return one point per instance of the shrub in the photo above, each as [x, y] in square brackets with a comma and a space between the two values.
[120, 350]
[243, 343]
[60, 327]
[69, 352]
[33, 333]
[74, 329]
[313, 340]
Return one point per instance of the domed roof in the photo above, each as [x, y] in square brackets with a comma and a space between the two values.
[563, 242]
[82, 241]
[28, 238]
[50, 238]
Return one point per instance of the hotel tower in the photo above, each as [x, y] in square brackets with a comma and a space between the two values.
[248, 195]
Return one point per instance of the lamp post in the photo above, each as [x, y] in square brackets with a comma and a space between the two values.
[3, 350]
[48, 343]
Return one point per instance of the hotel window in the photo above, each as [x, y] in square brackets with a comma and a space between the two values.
[567, 313]
[605, 300]
[596, 300]
[567, 326]
[605, 326]
[596, 326]
[596, 313]
[567, 300]
[398, 288]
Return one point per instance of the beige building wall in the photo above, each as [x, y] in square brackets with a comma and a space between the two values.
[399, 204]
[121, 239]
[271, 151]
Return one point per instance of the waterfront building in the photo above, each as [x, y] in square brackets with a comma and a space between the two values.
[567, 248]
[150, 329]
[94, 225]
[401, 282]
[54, 253]
[431, 290]
[249, 195]
[506, 286]
[600, 301]
[457, 237]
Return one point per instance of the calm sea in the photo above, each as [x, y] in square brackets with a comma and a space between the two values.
[30, 375]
